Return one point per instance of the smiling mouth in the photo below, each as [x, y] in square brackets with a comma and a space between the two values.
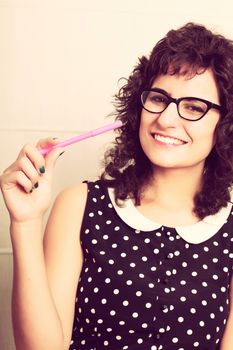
[168, 140]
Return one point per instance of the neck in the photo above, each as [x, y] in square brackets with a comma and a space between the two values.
[173, 188]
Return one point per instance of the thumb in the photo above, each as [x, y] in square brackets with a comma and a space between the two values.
[51, 158]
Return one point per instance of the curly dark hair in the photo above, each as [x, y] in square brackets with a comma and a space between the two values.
[126, 167]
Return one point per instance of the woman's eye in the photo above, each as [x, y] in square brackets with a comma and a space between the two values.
[158, 99]
[194, 108]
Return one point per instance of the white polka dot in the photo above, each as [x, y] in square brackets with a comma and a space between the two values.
[148, 305]
[175, 340]
[135, 314]
[189, 332]
[144, 325]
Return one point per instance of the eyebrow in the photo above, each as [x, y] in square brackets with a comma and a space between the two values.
[154, 88]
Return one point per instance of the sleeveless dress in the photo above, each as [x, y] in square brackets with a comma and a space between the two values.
[145, 286]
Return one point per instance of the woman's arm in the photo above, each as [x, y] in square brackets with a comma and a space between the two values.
[227, 342]
[63, 255]
[42, 270]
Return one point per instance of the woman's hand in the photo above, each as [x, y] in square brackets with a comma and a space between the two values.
[26, 184]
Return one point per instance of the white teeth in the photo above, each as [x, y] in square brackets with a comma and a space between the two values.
[168, 140]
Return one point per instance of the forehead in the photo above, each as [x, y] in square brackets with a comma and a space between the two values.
[202, 85]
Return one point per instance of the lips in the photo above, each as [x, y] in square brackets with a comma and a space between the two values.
[169, 140]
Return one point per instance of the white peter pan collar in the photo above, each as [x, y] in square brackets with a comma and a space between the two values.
[195, 233]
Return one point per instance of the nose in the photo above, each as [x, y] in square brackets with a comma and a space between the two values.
[169, 117]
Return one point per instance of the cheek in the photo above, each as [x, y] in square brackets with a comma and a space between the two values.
[204, 132]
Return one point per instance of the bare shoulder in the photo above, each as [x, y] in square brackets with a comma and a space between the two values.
[67, 213]
[74, 195]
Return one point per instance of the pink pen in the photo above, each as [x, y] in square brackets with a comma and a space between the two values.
[83, 136]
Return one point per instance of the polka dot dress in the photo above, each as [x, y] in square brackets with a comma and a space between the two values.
[149, 290]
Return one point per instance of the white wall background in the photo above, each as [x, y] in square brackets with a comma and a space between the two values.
[60, 61]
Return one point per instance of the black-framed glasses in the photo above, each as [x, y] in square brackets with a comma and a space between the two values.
[189, 108]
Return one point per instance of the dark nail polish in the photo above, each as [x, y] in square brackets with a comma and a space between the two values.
[42, 170]
[36, 185]
[31, 190]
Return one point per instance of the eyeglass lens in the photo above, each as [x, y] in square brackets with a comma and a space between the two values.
[189, 108]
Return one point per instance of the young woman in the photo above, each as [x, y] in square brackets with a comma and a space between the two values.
[143, 257]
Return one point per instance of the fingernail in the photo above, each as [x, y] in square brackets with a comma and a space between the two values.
[36, 185]
[61, 153]
[42, 170]
[31, 190]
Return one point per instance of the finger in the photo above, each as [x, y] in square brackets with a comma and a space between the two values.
[16, 178]
[24, 182]
[33, 155]
[29, 169]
